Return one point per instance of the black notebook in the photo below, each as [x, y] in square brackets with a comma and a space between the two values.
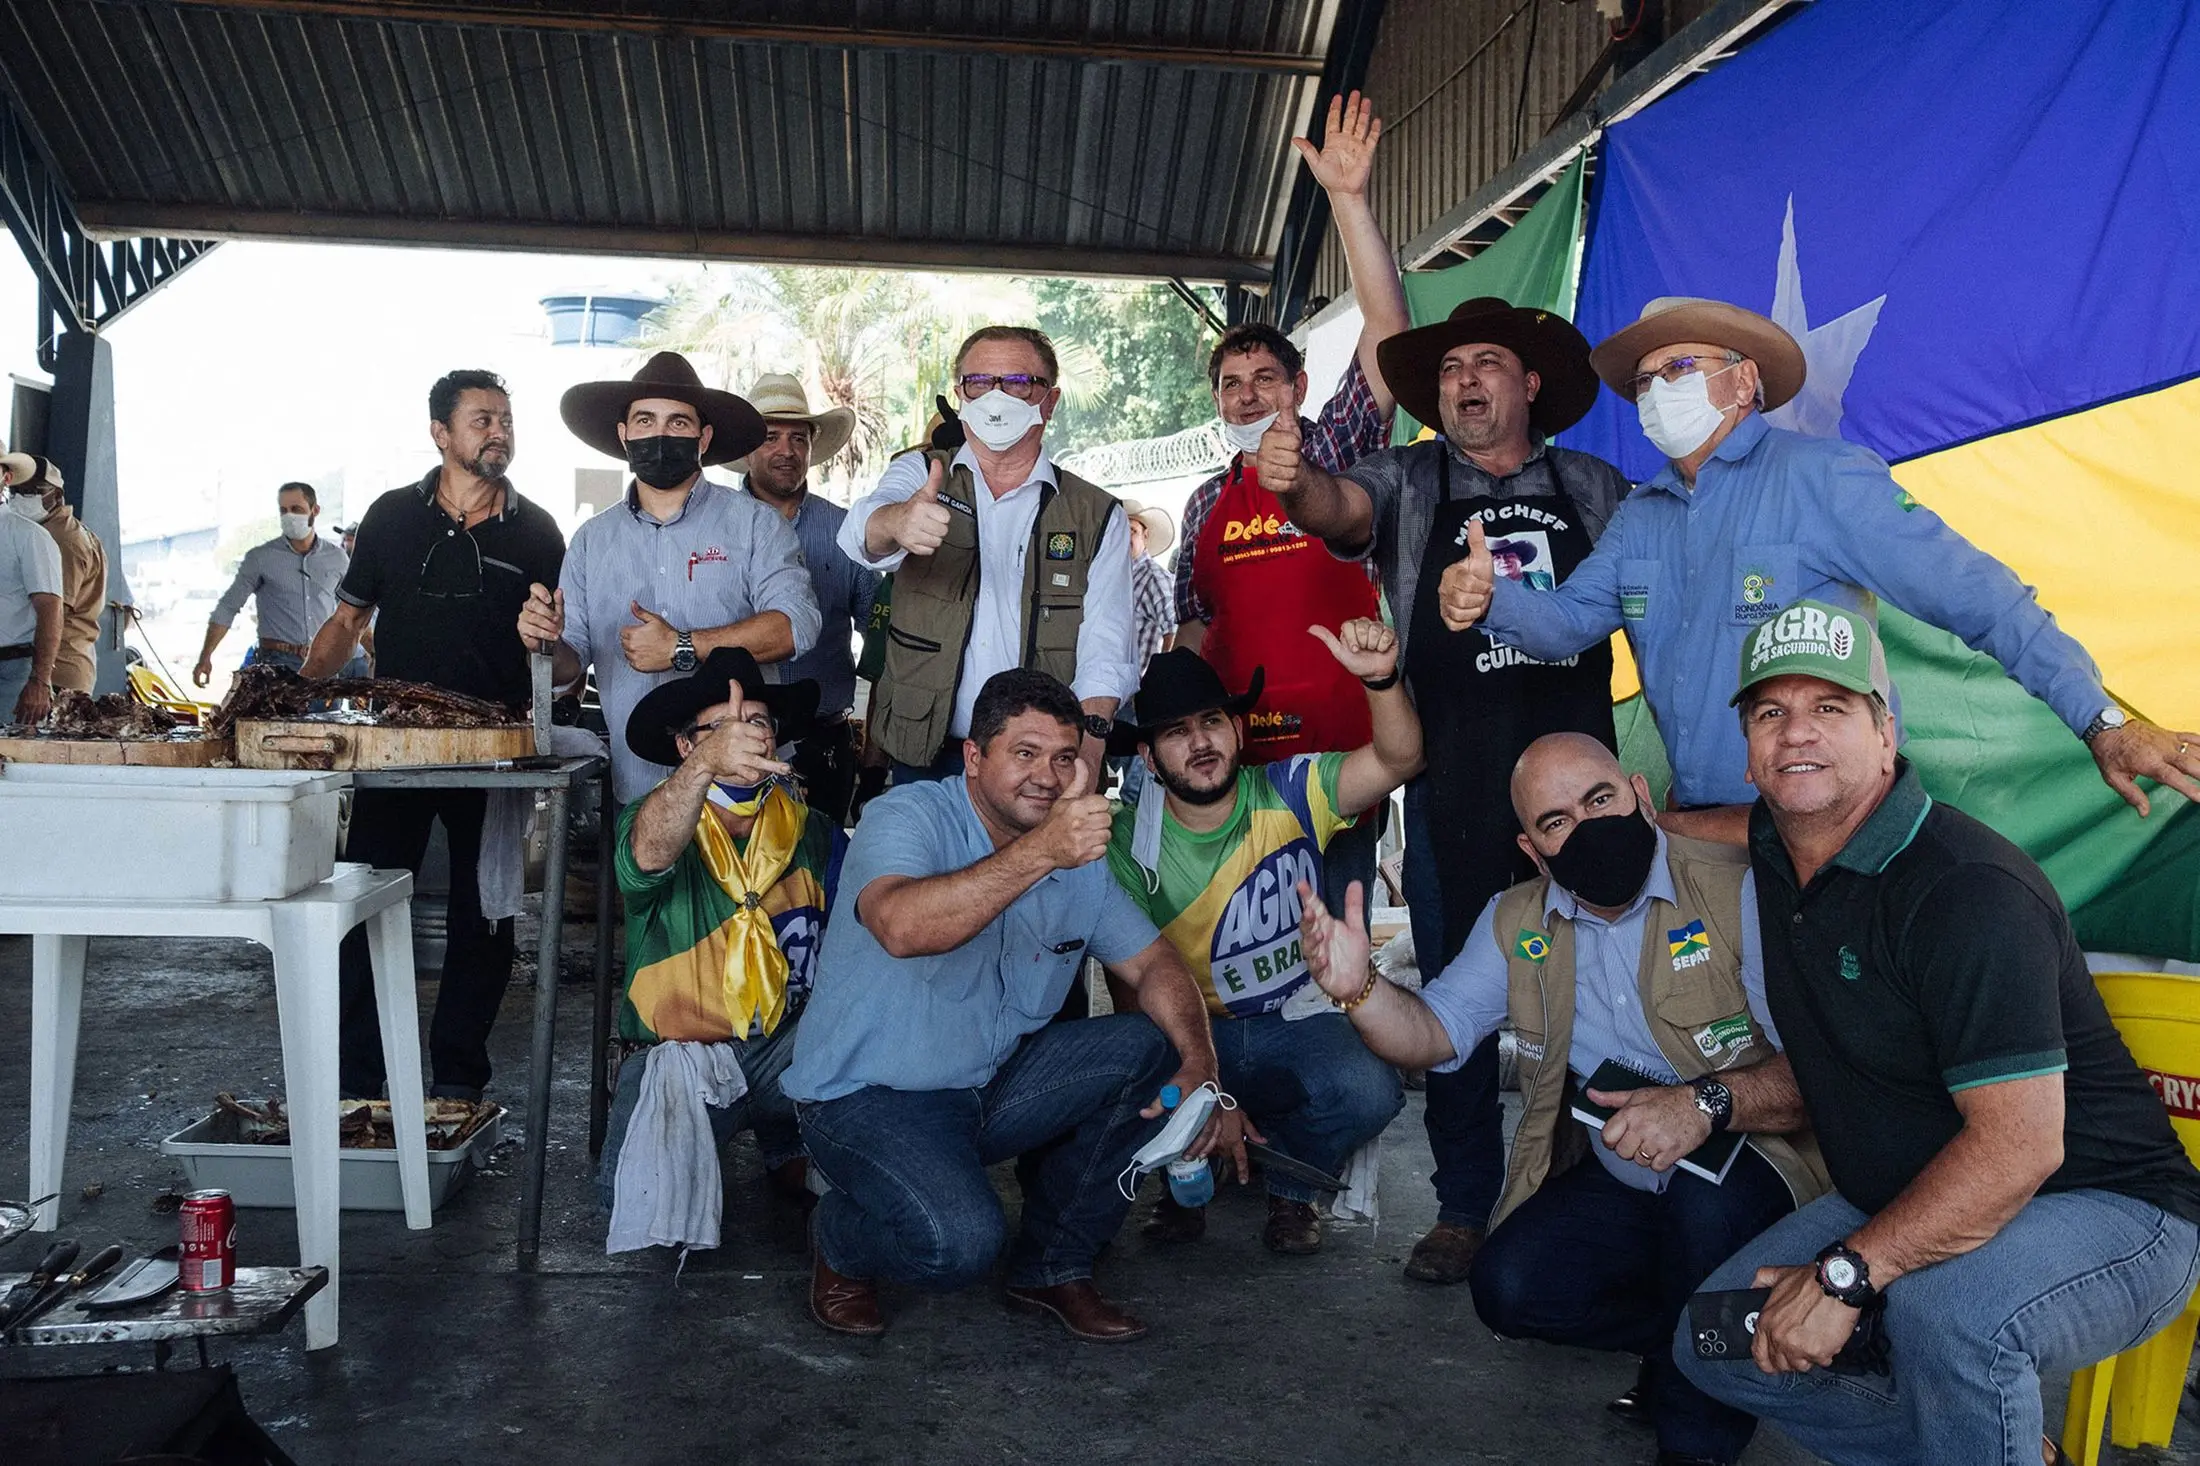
[1711, 1160]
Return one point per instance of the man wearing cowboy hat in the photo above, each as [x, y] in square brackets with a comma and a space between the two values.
[727, 877]
[1746, 518]
[1214, 853]
[36, 481]
[680, 566]
[1499, 380]
[31, 611]
[778, 475]
[1153, 602]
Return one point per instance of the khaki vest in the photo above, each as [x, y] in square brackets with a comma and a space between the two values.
[936, 599]
[1693, 1001]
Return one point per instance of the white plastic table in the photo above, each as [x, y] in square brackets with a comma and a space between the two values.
[304, 932]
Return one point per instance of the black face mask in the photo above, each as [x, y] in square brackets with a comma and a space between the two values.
[664, 462]
[1606, 861]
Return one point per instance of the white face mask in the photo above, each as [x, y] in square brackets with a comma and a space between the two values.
[1000, 421]
[297, 526]
[29, 506]
[1677, 417]
[1245, 436]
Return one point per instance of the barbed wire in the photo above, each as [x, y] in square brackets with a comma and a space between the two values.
[1200, 450]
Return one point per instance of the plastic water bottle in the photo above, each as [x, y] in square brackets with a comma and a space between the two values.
[1191, 1183]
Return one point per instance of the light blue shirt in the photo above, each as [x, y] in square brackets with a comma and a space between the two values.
[1777, 517]
[948, 1021]
[297, 593]
[844, 592]
[1469, 998]
[723, 558]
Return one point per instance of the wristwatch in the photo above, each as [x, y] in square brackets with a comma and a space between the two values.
[1098, 727]
[1845, 1276]
[1716, 1101]
[2105, 719]
[683, 653]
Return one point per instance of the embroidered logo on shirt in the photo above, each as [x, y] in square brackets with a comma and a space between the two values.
[1903, 500]
[1753, 588]
[1062, 545]
[712, 556]
[1634, 602]
[1690, 945]
[1851, 969]
[1532, 944]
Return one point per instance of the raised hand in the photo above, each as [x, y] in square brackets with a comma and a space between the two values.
[1076, 829]
[650, 642]
[923, 518]
[1464, 592]
[541, 620]
[1347, 153]
[1277, 462]
[736, 751]
[1364, 647]
[1336, 951]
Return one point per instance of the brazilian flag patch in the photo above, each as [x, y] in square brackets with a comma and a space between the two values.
[1531, 944]
[1062, 545]
[1903, 499]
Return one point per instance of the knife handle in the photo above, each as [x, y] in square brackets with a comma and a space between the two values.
[101, 1261]
[53, 1264]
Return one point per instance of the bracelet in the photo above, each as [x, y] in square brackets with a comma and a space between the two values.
[1366, 992]
[1383, 686]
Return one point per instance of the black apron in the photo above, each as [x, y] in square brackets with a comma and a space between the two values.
[1482, 704]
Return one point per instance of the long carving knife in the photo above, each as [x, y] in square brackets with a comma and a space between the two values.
[23, 1294]
[538, 668]
[61, 1288]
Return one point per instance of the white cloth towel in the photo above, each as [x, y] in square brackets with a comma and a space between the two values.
[1357, 1201]
[668, 1191]
[501, 870]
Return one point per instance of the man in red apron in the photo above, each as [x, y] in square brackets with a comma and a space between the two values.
[1242, 559]
[1501, 380]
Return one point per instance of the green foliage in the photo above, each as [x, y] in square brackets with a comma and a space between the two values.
[1152, 348]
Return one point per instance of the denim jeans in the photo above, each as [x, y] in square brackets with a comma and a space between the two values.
[2071, 1279]
[1466, 1134]
[911, 1201]
[945, 765]
[762, 1107]
[15, 675]
[1312, 1087]
[1590, 1262]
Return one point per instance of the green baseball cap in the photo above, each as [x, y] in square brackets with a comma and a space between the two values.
[1814, 639]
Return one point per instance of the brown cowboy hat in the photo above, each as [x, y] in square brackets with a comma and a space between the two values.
[1546, 344]
[594, 410]
[1672, 319]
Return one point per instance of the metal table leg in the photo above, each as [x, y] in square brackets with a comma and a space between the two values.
[599, 1096]
[546, 1029]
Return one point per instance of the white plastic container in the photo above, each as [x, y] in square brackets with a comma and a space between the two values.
[259, 1175]
[167, 834]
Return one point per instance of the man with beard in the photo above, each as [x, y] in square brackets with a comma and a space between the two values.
[778, 476]
[1501, 380]
[680, 566]
[965, 911]
[1214, 854]
[441, 573]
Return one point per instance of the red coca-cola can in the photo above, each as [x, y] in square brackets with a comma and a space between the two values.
[209, 1254]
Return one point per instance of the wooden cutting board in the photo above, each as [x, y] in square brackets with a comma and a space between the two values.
[165, 753]
[304, 743]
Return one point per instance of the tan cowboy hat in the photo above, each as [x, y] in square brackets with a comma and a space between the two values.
[1160, 529]
[25, 468]
[780, 398]
[1546, 344]
[1672, 319]
[594, 410]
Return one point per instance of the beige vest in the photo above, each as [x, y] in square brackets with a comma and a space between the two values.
[936, 599]
[1692, 999]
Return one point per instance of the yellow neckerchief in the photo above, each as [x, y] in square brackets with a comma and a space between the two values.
[756, 970]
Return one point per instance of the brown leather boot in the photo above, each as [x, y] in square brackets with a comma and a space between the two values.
[1294, 1228]
[844, 1305]
[1445, 1254]
[1173, 1223]
[1079, 1308]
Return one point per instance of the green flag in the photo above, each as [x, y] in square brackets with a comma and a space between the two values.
[1534, 264]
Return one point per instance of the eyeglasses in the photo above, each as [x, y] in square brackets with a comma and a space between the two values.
[452, 569]
[1015, 384]
[1679, 368]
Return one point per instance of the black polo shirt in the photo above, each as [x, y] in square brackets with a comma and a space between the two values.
[1932, 956]
[452, 620]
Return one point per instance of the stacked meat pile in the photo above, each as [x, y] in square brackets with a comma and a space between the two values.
[80, 715]
[272, 693]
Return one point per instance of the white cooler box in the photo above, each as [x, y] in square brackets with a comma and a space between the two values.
[167, 834]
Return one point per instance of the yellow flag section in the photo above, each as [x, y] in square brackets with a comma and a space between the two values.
[2100, 510]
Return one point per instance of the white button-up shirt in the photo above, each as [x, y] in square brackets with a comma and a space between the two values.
[1107, 662]
[30, 565]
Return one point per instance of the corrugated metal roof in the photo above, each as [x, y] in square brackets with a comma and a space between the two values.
[1119, 136]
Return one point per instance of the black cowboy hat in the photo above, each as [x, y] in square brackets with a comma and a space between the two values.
[1178, 683]
[594, 410]
[670, 707]
[1546, 344]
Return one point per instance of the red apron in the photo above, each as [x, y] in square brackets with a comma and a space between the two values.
[1266, 582]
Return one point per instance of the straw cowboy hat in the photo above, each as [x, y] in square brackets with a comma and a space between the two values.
[780, 398]
[594, 410]
[1672, 319]
[23, 469]
[1160, 529]
[1546, 344]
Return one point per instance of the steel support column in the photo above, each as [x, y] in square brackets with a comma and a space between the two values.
[1306, 221]
[80, 439]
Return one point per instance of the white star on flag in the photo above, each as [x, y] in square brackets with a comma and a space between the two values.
[1829, 351]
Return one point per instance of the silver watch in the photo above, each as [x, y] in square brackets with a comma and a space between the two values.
[2105, 719]
[683, 653]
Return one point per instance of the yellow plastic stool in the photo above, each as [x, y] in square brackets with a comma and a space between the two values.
[2158, 1015]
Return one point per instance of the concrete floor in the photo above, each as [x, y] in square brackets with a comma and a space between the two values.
[450, 1355]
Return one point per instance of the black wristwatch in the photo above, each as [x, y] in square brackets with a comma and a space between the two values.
[1845, 1276]
[683, 653]
[1381, 684]
[1098, 727]
[1716, 1101]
